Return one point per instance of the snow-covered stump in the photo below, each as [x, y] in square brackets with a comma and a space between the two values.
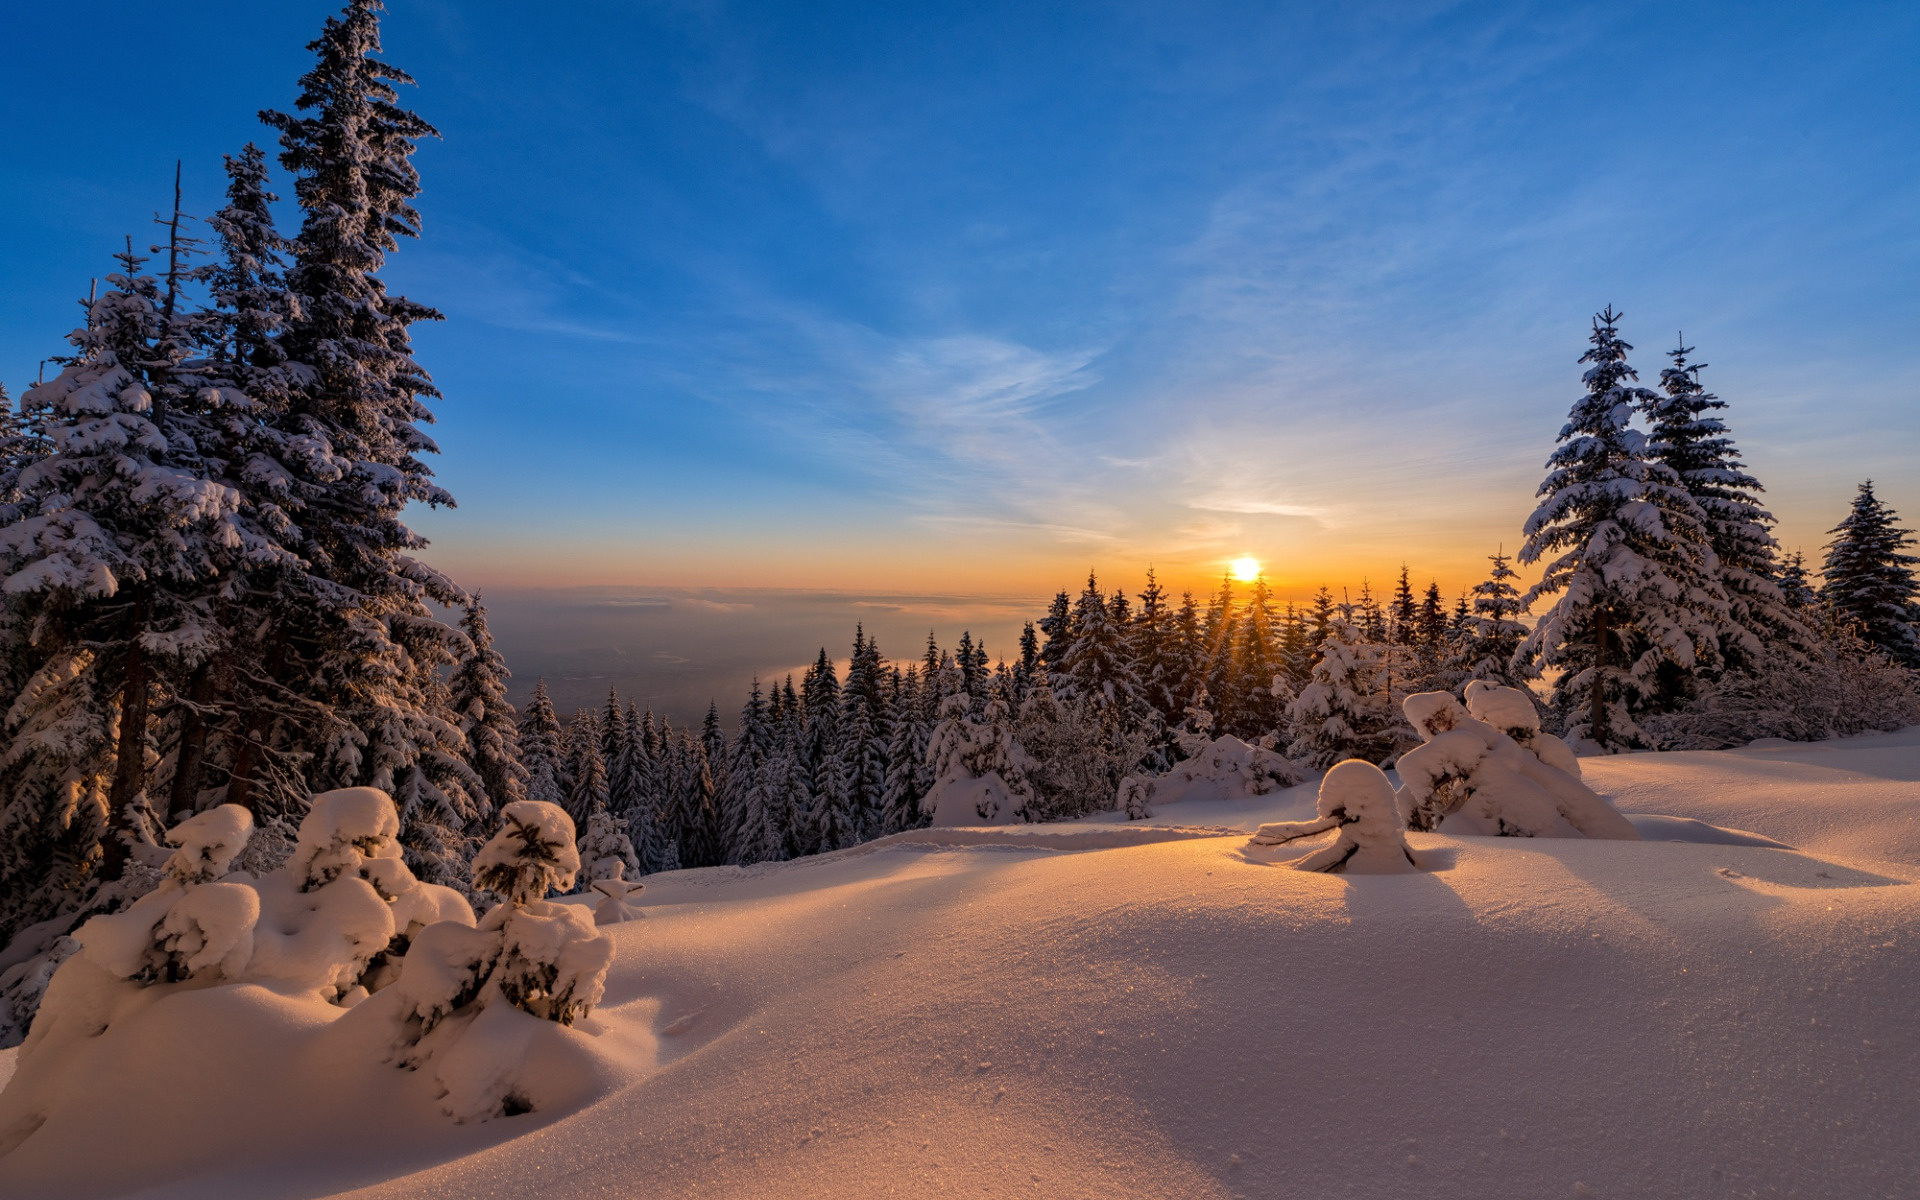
[466, 994]
[1357, 800]
[1478, 780]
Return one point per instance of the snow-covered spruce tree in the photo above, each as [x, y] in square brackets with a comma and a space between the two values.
[1095, 664]
[861, 748]
[358, 625]
[1257, 710]
[1431, 644]
[907, 776]
[1494, 630]
[542, 748]
[1639, 608]
[1343, 711]
[120, 535]
[1699, 450]
[479, 698]
[1869, 578]
[586, 769]
[1152, 639]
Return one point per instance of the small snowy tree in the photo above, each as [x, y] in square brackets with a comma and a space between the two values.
[1494, 630]
[478, 695]
[1342, 712]
[605, 850]
[1869, 577]
[461, 989]
[1357, 801]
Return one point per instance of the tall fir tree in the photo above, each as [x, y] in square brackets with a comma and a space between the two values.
[1698, 449]
[1639, 607]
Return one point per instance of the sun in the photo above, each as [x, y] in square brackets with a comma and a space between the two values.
[1246, 570]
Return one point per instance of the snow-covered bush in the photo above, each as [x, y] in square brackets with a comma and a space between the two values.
[345, 904]
[461, 989]
[1357, 800]
[1514, 713]
[190, 923]
[1842, 688]
[1478, 780]
[1222, 768]
[1077, 753]
[980, 770]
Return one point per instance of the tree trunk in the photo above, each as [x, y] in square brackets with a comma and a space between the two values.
[130, 755]
[190, 760]
[1597, 723]
[246, 756]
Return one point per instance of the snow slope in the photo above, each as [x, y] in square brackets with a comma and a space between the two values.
[1087, 1010]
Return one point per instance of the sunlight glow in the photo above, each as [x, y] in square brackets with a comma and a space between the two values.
[1246, 570]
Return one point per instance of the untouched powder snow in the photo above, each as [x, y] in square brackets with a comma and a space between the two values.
[1090, 1013]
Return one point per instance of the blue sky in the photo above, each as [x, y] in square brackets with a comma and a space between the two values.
[963, 298]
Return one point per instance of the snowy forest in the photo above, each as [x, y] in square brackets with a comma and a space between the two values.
[213, 600]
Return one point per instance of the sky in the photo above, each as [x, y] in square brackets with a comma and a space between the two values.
[946, 301]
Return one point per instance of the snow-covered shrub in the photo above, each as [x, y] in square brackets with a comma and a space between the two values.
[189, 923]
[460, 989]
[1478, 780]
[980, 771]
[605, 851]
[1357, 800]
[1514, 713]
[1222, 768]
[1841, 689]
[1077, 754]
[345, 903]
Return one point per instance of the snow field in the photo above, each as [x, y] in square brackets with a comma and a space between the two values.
[1180, 1018]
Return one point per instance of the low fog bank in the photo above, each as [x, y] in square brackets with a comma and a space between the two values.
[674, 649]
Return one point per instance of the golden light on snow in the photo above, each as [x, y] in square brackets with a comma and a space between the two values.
[1246, 570]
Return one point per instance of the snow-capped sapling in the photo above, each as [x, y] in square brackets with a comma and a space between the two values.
[1514, 713]
[190, 923]
[1356, 800]
[1482, 781]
